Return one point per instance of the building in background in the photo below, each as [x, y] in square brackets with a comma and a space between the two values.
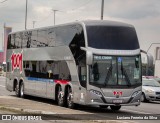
[7, 30]
[1, 57]
[1, 61]
[157, 62]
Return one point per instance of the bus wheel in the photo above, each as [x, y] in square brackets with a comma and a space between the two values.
[70, 103]
[21, 92]
[60, 95]
[115, 108]
[17, 90]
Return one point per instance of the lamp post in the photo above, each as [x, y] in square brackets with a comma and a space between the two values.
[54, 15]
[26, 15]
[102, 9]
[34, 23]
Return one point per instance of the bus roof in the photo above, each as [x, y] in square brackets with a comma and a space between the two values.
[106, 23]
[86, 23]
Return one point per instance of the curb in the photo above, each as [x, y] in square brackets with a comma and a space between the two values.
[30, 111]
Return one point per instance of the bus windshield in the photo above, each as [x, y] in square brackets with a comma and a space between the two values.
[112, 37]
[115, 71]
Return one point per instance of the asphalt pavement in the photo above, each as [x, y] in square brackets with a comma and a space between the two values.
[8, 98]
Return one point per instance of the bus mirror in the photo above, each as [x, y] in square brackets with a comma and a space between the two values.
[89, 57]
[149, 60]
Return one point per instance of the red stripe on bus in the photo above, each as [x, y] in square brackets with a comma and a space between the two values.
[61, 81]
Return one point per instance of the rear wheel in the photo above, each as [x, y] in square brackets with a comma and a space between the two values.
[70, 103]
[60, 99]
[17, 90]
[115, 108]
[21, 90]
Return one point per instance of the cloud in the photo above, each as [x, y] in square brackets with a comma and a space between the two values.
[143, 14]
[133, 9]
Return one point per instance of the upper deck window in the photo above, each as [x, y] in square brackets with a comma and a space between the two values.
[112, 37]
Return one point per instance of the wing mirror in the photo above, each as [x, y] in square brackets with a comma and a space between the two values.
[89, 56]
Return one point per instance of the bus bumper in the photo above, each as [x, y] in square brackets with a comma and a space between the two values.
[93, 99]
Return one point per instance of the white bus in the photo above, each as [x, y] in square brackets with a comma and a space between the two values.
[88, 63]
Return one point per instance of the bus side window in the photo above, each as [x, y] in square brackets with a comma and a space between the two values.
[26, 68]
[8, 66]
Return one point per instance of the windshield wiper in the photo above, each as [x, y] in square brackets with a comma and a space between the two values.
[126, 75]
[108, 75]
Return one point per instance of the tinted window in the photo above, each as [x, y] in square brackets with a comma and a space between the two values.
[67, 34]
[42, 40]
[48, 37]
[47, 69]
[77, 41]
[115, 71]
[107, 37]
[18, 40]
[51, 37]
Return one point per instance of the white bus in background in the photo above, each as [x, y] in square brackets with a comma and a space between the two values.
[87, 63]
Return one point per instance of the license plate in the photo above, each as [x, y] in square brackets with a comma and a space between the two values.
[117, 101]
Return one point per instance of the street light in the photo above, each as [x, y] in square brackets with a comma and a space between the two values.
[26, 15]
[102, 9]
[34, 23]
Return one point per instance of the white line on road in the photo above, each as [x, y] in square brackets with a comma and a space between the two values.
[2, 86]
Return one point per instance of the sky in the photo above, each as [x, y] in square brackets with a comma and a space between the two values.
[143, 14]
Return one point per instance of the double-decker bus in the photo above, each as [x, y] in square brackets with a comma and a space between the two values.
[88, 62]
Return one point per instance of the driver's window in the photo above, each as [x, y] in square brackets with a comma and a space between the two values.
[82, 70]
[95, 72]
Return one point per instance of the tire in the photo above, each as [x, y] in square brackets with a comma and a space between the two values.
[70, 103]
[115, 108]
[103, 106]
[21, 90]
[143, 98]
[17, 90]
[60, 97]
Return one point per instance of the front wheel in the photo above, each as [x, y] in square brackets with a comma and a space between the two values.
[115, 108]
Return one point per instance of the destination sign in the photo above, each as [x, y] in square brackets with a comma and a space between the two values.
[102, 57]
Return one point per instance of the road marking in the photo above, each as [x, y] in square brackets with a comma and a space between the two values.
[2, 86]
[140, 112]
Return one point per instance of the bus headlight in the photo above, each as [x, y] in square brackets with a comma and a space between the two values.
[136, 93]
[96, 93]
